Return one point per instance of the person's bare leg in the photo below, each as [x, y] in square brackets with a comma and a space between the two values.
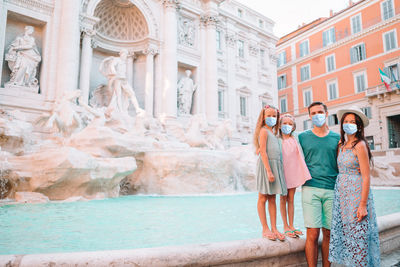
[291, 193]
[272, 216]
[326, 234]
[262, 199]
[286, 227]
[311, 248]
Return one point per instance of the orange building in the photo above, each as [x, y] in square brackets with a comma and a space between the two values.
[336, 60]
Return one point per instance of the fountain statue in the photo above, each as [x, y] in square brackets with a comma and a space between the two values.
[115, 70]
[186, 88]
[23, 59]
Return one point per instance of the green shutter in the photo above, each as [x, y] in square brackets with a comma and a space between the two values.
[363, 52]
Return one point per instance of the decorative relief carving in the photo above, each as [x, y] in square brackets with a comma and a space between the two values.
[253, 49]
[186, 32]
[230, 39]
[46, 7]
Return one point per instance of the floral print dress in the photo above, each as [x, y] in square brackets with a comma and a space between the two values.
[352, 243]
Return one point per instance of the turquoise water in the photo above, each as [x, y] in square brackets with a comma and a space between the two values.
[141, 221]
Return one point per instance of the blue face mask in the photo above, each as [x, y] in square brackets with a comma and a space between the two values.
[349, 128]
[270, 121]
[319, 119]
[286, 129]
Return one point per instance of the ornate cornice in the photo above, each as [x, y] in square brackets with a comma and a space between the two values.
[171, 4]
[46, 7]
[87, 31]
[209, 20]
[150, 51]
[87, 21]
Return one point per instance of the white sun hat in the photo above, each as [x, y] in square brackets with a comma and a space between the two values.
[355, 110]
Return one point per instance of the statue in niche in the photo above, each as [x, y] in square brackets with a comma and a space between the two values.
[186, 31]
[115, 70]
[186, 88]
[23, 59]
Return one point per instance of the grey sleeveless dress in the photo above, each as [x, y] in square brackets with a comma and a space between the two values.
[274, 152]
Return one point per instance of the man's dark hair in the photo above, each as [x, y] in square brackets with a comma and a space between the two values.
[317, 103]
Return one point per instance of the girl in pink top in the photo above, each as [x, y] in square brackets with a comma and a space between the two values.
[295, 170]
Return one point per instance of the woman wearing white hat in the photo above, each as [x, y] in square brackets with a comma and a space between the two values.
[354, 234]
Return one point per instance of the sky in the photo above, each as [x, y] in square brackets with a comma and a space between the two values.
[289, 14]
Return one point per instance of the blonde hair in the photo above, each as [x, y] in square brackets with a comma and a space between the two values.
[261, 123]
[290, 116]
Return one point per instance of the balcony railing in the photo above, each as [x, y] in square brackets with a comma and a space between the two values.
[381, 89]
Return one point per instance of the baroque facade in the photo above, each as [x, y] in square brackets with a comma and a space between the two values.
[227, 49]
[336, 60]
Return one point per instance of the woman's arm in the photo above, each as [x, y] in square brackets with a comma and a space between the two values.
[363, 159]
[264, 155]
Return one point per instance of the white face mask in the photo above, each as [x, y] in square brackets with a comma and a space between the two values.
[286, 129]
[270, 121]
[349, 128]
[319, 119]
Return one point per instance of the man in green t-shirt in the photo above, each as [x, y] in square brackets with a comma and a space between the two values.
[320, 153]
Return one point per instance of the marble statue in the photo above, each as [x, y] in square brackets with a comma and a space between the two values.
[64, 114]
[186, 88]
[115, 69]
[23, 59]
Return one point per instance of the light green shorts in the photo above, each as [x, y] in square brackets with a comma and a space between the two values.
[317, 207]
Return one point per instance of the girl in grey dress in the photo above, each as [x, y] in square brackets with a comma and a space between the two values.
[270, 177]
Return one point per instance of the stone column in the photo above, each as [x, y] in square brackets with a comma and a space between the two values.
[86, 63]
[3, 23]
[149, 82]
[211, 93]
[233, 104]
[68, 46]
[170, 65]
[129, 67]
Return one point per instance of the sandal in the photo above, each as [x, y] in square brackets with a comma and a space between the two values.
[291, 234]
[297, 232]
[271, 236]
[280, 235]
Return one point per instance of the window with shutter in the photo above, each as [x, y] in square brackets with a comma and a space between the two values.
[282, 81]
[241, 48]
[367, 112]
[307, 97]
[387, 9]
[220, 101]
[283, 105]
[305, 73]
[303, 47]
[332, 88]
[393, 72]
[330, 63]
[356, 24]
[243, 106]
[357, 53]
[328, 37]
[390, 41]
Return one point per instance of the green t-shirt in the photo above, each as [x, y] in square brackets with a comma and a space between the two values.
[320, 155]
